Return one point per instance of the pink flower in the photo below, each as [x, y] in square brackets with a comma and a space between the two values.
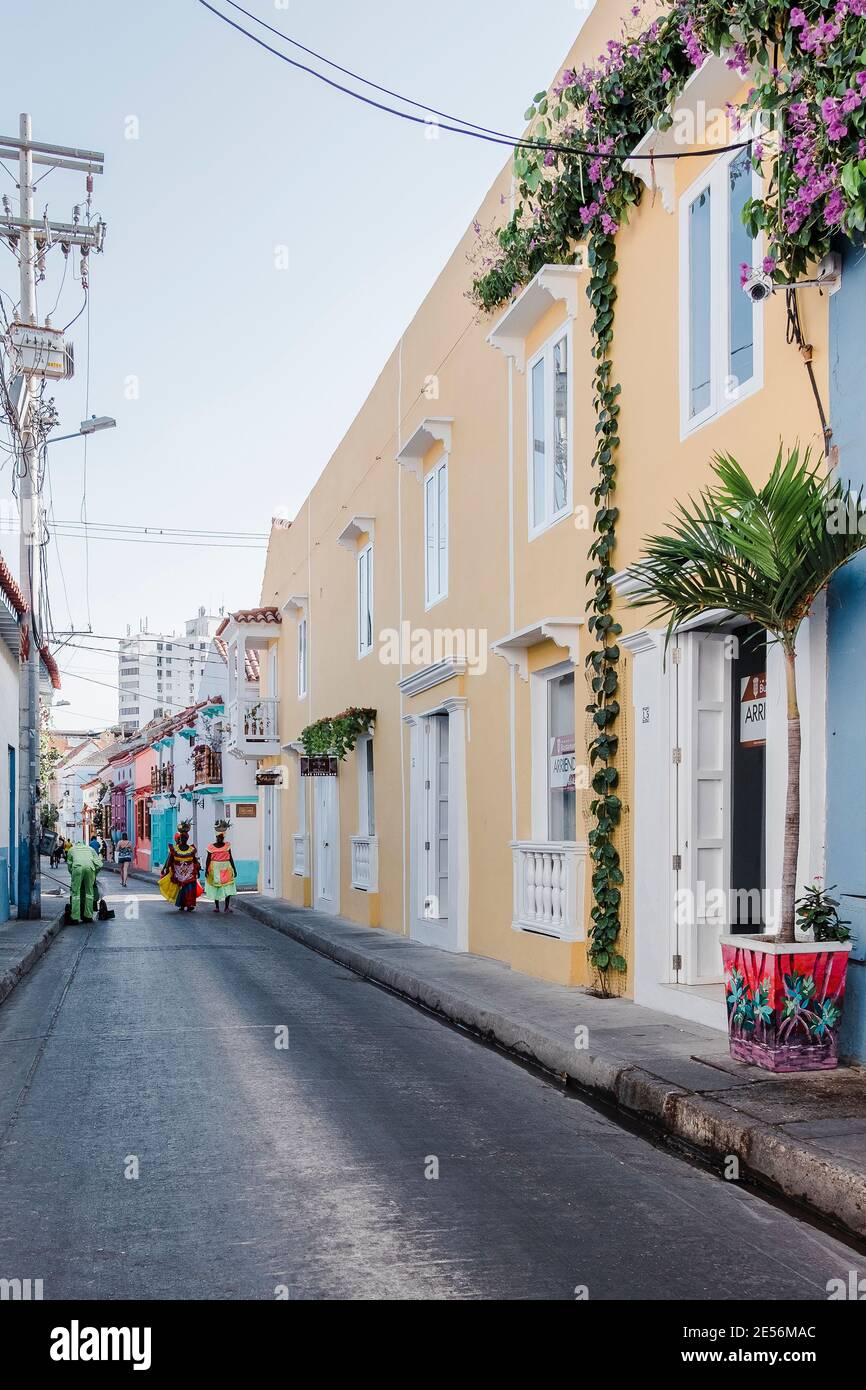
[691, 42]
[745, 272]
[834, 208]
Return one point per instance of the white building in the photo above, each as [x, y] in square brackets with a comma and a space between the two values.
[159, 673]
[13, 617]
[80, 765]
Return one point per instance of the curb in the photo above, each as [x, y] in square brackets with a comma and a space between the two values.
[821, 1185]
[15, 974]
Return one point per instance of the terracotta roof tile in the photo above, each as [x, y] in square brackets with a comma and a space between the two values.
[9, 586]
[258, 615]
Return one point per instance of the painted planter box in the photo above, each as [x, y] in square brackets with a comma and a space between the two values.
[784, 1002]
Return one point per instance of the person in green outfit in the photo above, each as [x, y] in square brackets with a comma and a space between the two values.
[220, 874]
[83, 865]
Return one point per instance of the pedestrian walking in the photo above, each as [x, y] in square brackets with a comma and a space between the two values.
[96, 844]
[179, 883]
[83, 864]
[220, 874]
[124, 857]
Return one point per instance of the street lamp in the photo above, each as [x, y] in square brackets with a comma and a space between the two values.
[91, 426]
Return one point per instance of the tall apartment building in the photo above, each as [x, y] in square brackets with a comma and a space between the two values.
[159, 673]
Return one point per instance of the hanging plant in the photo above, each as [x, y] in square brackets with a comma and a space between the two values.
[810, 91]
[337, 735]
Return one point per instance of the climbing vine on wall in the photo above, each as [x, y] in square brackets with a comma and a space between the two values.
[337, 734]
[807, 109]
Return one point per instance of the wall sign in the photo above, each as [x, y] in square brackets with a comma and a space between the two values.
[319, 766]
[270, 777]
[245, 810]
[562, 761]
[753, 710]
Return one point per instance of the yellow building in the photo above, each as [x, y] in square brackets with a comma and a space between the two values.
[436, 574]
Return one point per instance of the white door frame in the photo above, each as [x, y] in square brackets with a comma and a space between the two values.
[704, 780]
[654, 821]
[456, 936]
[271, 875]
[328, 832]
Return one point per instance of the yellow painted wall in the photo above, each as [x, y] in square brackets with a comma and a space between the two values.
[446, 342]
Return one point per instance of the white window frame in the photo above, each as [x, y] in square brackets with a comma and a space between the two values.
[546, 352]
[540, 714]
[364, 747]
[364, 649]
[302, 658]
[431, 479]
[716, 179]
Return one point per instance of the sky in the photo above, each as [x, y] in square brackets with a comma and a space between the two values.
[268, 241]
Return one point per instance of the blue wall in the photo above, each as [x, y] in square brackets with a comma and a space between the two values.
[846, 636]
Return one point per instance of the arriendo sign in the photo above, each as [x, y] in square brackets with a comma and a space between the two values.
[753, 710]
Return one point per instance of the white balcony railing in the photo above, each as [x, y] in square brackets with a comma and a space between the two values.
[254, 730]
[365, 863]
[548, 888]
[301, 855]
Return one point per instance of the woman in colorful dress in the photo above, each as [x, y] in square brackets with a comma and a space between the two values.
[220, 874]
[179, 882]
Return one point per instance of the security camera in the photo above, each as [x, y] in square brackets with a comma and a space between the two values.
[758, 286]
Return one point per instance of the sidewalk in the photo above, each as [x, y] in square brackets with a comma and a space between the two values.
[803, 1136]
[22, 943]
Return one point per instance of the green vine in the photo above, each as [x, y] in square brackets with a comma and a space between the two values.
[337, 735]
[810, 89]
[603, 661]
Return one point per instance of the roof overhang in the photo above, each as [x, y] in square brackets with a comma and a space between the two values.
[551, 285]
[256, 632]
[431, 429]
[357, 527]
[514, 648]
[10, 627]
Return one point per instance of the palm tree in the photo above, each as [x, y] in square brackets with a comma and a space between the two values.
[763, 554]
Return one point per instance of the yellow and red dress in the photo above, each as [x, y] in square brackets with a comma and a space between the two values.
[219, 880]
[179, 882]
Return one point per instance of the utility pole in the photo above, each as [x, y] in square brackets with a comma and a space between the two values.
[29, 877]
[35, 360]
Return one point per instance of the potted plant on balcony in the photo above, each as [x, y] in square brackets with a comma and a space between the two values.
[764, 554]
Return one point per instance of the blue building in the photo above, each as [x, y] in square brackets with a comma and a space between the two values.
[846, 647]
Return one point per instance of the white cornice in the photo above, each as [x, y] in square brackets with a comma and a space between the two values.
[625, 583]
[551, 284]
[514, 648]
[299, 603]
[431, 429]
[706, 94]
[432, 675]
[645, 640]
[357, 527]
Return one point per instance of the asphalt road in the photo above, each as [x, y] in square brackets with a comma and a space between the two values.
[156, 1142]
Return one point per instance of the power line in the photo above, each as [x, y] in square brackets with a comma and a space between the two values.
[520, 142]
[166, 530]
[84, 534]
[347, 72]
[159, 701]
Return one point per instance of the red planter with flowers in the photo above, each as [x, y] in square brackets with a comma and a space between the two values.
[784, 1001]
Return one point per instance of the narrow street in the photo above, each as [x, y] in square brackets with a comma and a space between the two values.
[266, 1171]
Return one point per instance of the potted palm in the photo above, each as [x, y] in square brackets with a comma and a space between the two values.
[764, 554]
